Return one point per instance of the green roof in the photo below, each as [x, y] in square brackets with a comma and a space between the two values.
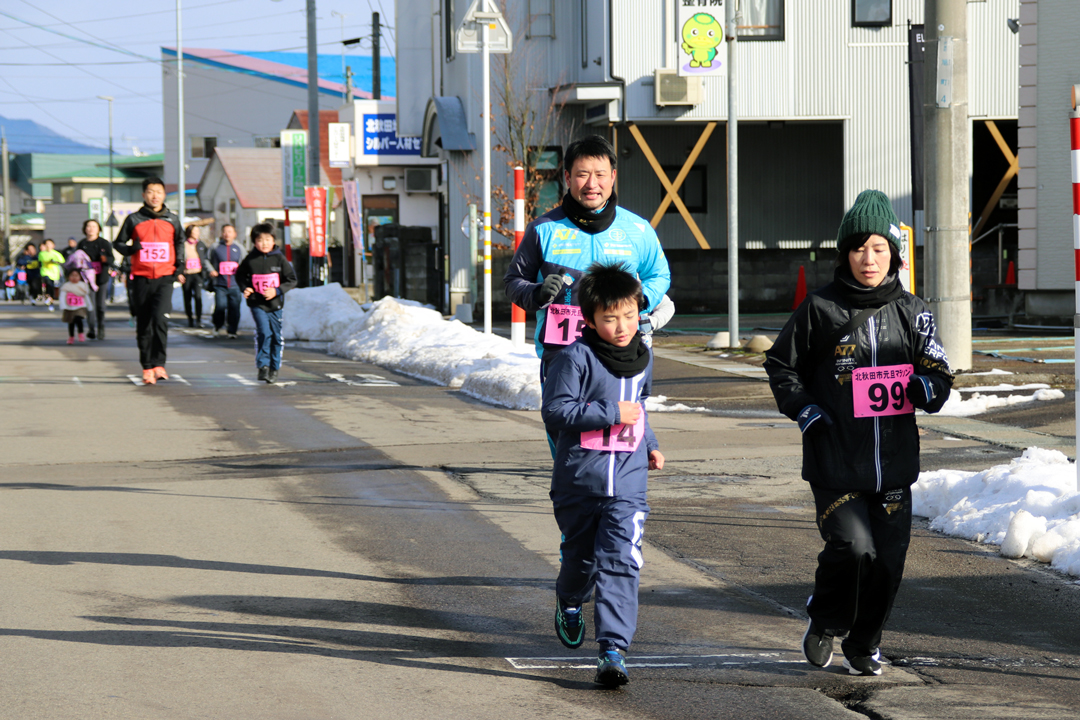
[92, 174]
[156, 160]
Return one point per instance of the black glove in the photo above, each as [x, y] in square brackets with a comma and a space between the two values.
[920, 391]
[810, 415]
[549, 289]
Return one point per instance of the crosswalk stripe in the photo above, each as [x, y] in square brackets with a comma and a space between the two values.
[242, 380]
[365, 380]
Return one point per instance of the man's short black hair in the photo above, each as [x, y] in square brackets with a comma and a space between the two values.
[607, 286]
[260, 229]
[592, 146]
[152, 180]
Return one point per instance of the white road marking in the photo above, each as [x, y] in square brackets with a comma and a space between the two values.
[660, 661]
[284, 383]
[136, 379]
[365, 380]
[376, 380]
[77, 381]
[174, 376]
[243, 380]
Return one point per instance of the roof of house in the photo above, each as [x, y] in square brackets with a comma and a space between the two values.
[149, 162]
[95, 174]
[254, 173]
[291, 68]
[299, 121]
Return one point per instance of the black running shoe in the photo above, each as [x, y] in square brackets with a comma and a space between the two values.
[263, 373]
[611, 669]
[817, 645]
[868, 665]
[271, 377]
[570, 627]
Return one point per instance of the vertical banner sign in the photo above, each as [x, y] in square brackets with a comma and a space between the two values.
[917, 97]
[339, 145]
[352, 205]
[293, 167]
[96, 209]
[317, 214]
[943, 91]
[907, 257]
[699, 27]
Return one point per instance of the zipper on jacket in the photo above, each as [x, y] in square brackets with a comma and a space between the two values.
[611, 453]
[871, 329]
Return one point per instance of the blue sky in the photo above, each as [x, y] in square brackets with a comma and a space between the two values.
[56, 60]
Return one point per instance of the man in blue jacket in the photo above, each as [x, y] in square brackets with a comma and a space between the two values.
[224, 260]
[560, 245]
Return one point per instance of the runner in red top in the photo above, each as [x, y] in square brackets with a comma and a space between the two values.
[153, 238]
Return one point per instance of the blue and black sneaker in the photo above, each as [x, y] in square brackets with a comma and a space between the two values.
[611, 669]
[569, 625]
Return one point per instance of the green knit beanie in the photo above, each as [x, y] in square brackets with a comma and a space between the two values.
[871, 213]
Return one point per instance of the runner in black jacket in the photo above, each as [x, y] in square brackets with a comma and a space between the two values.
[851, 366]
[265, 276]
[100, 252]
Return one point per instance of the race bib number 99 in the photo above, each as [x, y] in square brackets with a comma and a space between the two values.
[152, 252]
[618, 438]
[263, 281]
[881, 391]
[563, 325]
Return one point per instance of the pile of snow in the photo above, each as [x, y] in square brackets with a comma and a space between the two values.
[319, 314]
[659, 404]
[993, 371]
[977, 404]
[1030, 507]
[418, 342]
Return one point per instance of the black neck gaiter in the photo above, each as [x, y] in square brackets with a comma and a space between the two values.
[587, 220]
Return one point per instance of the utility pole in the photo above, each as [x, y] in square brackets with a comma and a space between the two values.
[7, 196]
[313, 114]
[348, 85]
[181, 182]
[947, 170]
[732, 179]
[376, 59]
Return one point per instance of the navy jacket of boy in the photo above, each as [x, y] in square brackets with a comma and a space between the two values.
[271, 263]
[580, 394]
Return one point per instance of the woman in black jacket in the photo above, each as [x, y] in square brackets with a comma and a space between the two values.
[851, 366]
[100, 252]
[196, 268]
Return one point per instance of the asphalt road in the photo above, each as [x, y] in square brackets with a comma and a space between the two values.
[341, 546]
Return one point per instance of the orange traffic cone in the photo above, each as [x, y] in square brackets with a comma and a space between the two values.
[1010, 274]
[800, 288]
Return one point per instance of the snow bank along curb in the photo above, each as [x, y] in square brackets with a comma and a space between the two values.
[1030, 507]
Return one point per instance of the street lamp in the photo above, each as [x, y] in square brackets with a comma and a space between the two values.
[111, 191]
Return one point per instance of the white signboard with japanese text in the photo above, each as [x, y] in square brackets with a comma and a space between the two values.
[377, 139]
[339, 154]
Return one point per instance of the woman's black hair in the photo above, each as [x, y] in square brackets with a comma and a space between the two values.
[853, 242]
[189, 229]
[607, 286]
[87, 222]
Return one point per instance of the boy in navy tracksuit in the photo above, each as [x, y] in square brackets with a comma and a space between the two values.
[265, 276]
[593, 397]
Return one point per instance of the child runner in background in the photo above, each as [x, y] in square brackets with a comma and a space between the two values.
[52, 264]
[604, 450]
[75, 302]
[265, 276]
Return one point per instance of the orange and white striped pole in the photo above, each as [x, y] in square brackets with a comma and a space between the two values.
[285, 235]
[1074, 134]
[517, 315]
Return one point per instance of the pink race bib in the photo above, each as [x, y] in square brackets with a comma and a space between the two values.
[76, 301]
[193, 264]
[262, 282]
[9, 282]
[880, 391]
[228, 268]
[21, 275]
[152, 252]
[96, 266]
[563, 325]
[617, 438]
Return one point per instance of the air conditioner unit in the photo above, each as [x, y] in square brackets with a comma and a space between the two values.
[421, 180]
[674, 90]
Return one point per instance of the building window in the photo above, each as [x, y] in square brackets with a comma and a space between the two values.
[541, 19]
[203, 147]
[761, 20]
[29, 205]
[871, 13]
[548, 188]
[693, 192]
[269, 141]
[67, 194]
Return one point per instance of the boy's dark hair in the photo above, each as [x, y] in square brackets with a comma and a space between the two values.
[592, 146]
[607, 286]
[152, 180]
[261, 229]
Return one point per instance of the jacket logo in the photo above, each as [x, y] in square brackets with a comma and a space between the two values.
[844, 350]
[565, 233]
